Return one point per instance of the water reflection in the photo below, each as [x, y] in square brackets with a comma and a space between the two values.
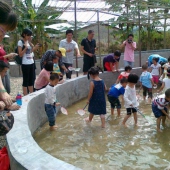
[90, 147]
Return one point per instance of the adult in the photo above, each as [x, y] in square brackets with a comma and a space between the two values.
[48, 56]
[8, 22]
[88, 47]
[130, 47]
[25, 50]
[71, 49]
[160, 59]
[6, 57]
[111, 61]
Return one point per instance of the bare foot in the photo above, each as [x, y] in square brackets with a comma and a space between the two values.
[136, 125]
[118, 116]
[87, 120]
[159, 130]
[14, 107]
[124, 125]
[103, 126]
[53, 127]
[164, 125]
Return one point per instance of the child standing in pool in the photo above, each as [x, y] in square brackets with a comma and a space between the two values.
[160, 109]
[130, 99]
[50, 100]
[96, 96]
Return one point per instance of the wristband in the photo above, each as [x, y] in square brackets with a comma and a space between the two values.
[2, 90]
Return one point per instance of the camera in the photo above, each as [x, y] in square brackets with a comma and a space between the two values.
[130, 41]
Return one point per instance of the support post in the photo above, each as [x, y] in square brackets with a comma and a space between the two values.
[139, 41]
[98, 24]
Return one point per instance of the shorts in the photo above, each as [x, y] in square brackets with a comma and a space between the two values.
[147, 90]
[155, 78]
[88, 62]
[157, 112]
[115, 102]
[106, 66]
[131, 110]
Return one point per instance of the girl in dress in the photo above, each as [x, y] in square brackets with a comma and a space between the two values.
[96, 96]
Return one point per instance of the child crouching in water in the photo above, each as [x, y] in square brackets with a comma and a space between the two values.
[160, 109]
[130, 100]
[113, 95]
[50, 100]
[96, 96]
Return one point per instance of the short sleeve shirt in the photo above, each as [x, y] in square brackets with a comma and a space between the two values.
[110, 58]
[69, 55]
[155, 69]
[116, 90]
[145, 79]
[27, 58]
[167, 83]
[89, 46]
[123, 75]
[129, 52]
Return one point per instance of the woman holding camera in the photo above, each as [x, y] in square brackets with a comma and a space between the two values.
[130, 47]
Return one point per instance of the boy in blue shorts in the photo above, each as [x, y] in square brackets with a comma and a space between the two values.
[113, 95]
[146, 83]
[160, 109]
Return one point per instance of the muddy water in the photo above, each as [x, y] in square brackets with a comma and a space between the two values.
[90, 147]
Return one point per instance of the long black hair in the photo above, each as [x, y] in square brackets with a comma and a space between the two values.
[94, 71]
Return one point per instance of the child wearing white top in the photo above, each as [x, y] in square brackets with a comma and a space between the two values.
[155, 69]
[130, 99]
[50, 100]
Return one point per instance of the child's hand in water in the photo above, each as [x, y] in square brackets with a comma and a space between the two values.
[57, 104]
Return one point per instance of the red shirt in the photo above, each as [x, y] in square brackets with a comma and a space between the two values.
[2, 54]
[123, 75]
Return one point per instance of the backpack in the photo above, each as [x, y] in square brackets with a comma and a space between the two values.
[18, 59]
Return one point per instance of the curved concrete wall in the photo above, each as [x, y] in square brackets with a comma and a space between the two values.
[23, 150]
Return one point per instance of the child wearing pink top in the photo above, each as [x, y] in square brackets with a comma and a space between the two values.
[43, 79]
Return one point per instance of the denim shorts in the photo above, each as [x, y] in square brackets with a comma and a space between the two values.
[51, 113]
[128, 63]
[157, 112]
[114, 102]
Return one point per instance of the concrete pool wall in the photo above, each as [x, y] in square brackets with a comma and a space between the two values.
[24, 152]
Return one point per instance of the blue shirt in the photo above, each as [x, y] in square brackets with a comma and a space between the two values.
[116, 90]
[145, 79]
[163, 59]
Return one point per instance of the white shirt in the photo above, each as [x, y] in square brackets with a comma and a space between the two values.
[28, 56]
[68, 46]
[167, 83]
[50, 94]
[130, 97]
[155, 69]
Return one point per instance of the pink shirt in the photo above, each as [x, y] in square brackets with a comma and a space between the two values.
[41, 81]
[129, 52]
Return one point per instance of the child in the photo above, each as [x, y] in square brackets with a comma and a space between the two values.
[166, 66]
[160, 110]
[146, 83]
[155, 69]
[43, 79]
[124, 74]
[50, 100]
[96, 96]
[56, 68]
[130, 99]
[114, 93]
[166, 82]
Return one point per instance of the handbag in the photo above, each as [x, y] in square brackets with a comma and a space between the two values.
[90, 49]
[6, 122]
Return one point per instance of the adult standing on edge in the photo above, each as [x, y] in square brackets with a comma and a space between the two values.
[70, 46]
[130, 47]
[88, 47]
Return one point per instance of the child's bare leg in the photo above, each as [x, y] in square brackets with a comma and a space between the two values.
[89, 119]
[144, 98]
[125, 119]
[158, 122]
[135, 118]
[112, 111]
[163, 121]
[103, 120]
[118, 112]
[53, 127]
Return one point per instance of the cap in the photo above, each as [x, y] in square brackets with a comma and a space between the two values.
[63, 51]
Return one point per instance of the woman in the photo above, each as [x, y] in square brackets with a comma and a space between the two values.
[25, 50]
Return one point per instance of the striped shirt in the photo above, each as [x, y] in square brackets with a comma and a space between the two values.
[160, 102]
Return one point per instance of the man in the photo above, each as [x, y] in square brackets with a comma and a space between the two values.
[130, 47]
[111, 61]
[70, 47]
[88, 47]
[48, 56]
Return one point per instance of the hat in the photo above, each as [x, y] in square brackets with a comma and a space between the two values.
[63, 51]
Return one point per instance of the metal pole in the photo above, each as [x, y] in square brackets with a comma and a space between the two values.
[98, 24]
[108, 35]
[75, 30]
[139, 41]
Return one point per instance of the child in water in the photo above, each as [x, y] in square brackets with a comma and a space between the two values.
[113, 95]
[130, 99]
[96, 96]
[50, 100]
[160, 109]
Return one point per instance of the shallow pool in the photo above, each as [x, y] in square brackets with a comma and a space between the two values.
[90, 147]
